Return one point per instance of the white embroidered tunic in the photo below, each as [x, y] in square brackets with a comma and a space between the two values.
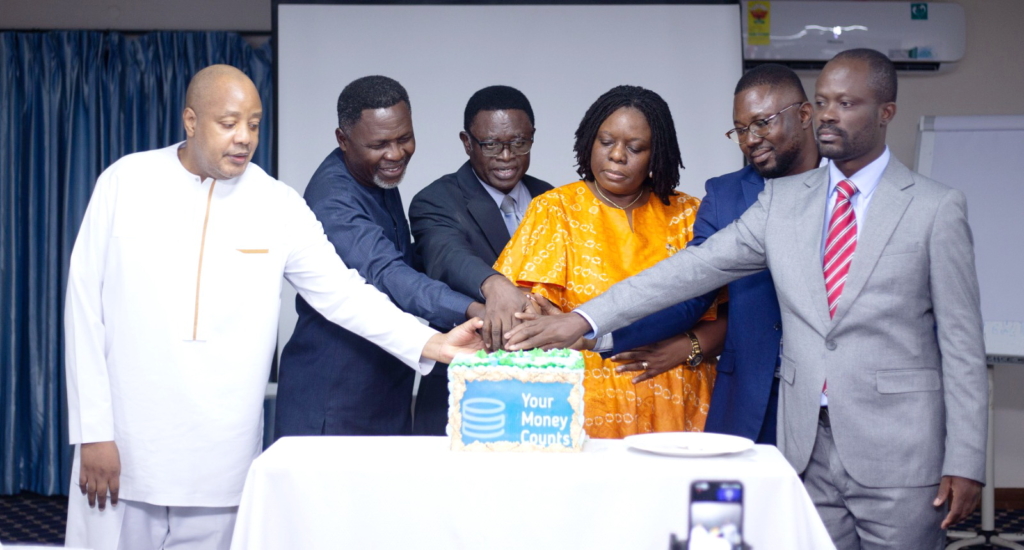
[171, 320]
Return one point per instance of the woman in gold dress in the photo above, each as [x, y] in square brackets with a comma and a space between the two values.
[621, 218]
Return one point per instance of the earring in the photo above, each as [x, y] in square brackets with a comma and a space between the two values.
[650, 174]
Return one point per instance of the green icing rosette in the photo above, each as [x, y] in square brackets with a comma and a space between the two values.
[531, 359]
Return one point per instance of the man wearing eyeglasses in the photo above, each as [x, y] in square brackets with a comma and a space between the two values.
[333, 381]
[462, 222]
[772, 120]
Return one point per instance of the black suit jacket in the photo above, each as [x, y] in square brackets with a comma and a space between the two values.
[459, 230]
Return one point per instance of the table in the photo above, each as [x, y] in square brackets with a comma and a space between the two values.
[413, 492]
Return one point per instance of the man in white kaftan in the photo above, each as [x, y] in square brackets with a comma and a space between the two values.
[171, 323]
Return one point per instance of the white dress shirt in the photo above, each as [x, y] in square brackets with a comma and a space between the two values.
[866, 180]
[171, 320]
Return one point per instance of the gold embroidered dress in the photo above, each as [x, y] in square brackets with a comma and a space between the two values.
[571, 247]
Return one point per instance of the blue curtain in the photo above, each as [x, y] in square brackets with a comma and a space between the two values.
[71, 103]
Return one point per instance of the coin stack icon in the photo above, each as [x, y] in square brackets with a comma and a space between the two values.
[483, 418]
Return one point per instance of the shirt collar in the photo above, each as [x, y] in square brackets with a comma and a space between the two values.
[866, 179]
[518, 193]
[174, 149]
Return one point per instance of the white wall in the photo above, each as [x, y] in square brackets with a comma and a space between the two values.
[549, 52]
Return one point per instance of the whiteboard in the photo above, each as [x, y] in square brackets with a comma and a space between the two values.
[561, 56]
[983, 156]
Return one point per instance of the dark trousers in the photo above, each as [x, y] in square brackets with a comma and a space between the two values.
[430, 414]
[767, 434]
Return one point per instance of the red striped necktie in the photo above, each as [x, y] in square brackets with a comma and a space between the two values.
[840, 244]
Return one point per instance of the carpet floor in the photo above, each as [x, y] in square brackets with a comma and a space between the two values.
[31, 518]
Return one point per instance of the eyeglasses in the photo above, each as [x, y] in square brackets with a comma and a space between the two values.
[491, 148]
[759, 128]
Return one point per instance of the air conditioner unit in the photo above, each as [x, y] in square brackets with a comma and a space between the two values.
[805, 35]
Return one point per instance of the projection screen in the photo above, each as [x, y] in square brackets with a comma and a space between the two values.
[561, 56]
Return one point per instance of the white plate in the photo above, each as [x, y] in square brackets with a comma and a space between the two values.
[689, 443]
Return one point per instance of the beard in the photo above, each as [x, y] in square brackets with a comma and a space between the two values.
[846, 147]
[386, 184]
[784, 160]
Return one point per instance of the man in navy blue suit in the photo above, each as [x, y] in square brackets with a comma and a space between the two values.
[333, 381]
[772, 125]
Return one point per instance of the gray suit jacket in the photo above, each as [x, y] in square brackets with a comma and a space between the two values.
[904, 355]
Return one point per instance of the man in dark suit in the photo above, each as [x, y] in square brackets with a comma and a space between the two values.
[773, 128]
[335, 381]
[462, 222]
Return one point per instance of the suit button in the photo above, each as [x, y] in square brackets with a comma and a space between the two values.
[831, 345]
[778, 326]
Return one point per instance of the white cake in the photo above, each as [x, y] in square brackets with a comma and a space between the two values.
[516, 401]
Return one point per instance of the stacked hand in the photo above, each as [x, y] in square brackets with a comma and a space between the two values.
[541, 306]
[504, 301]
[555, 330]
[518, 320]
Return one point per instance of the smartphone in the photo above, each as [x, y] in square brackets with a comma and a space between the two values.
[716, 515]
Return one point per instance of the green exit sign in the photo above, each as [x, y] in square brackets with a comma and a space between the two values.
[919, 10]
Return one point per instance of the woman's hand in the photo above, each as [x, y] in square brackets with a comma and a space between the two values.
[539, 305]
[655, 359]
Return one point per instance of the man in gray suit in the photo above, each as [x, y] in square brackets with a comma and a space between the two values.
[884, 394]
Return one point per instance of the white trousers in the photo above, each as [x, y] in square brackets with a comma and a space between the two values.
[133, 525]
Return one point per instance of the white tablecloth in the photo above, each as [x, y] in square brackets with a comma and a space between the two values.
[412, 492]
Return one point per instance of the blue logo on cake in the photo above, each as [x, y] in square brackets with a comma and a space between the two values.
[483, 418]
[516, 411]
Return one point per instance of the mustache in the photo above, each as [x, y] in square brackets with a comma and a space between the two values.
[388, 165]
[832, 129]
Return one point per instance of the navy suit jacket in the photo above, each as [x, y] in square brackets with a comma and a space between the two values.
[331, 380]
[746, 368]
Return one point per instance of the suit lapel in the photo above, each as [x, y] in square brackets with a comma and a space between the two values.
[483, 209]
[808, 250]
[888, 204]
[535, 186]
[752, 185]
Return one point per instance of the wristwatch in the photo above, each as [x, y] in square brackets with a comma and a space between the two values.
[696, 354]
